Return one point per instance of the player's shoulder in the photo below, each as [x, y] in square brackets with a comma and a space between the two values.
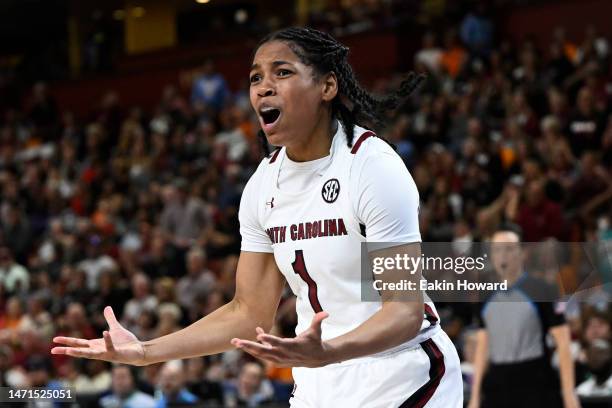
[367, 143]
[373, 153]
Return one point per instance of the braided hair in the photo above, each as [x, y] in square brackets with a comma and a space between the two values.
[325, 54]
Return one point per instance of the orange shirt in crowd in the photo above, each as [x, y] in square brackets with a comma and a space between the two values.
[282, 374]
[452, 60]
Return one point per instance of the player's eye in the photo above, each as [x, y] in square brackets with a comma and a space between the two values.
[254, 78]
[284, 72]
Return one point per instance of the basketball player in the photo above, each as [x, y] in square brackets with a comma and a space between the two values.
[303, 216]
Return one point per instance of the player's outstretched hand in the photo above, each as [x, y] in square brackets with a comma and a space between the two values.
[305, 350]
[117, 344]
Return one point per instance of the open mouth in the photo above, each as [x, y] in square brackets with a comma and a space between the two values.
[269, 115]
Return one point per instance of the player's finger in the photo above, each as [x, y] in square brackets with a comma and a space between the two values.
[259, 332]
[253, 344]
[260, 350]
[317, 320]
[82, 353]
[109, 315]
[273, 340]
[264, 356]
[108, 341]
[71, 341]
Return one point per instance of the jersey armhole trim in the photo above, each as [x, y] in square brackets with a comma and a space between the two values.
[274, 155]
[361, 139]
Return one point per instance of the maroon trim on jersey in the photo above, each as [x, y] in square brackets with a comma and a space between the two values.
[359, 141]
[274, 155]
[430, 316]
[436, 372]
[299, 267]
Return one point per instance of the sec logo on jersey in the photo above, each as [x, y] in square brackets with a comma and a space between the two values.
[330, 190]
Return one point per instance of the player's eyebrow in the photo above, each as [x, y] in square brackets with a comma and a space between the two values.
[274, 64]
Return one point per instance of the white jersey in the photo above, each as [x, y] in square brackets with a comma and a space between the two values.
[365, 194]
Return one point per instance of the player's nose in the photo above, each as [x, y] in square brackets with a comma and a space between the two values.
[266, 88]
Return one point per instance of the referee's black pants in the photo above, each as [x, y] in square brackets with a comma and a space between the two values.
[528, 384]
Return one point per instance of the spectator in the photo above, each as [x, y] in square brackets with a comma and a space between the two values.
[89, 378]
[161, 258]
[168, 316]
[13, 315]
[590, 180]
[594, 46]
[5, 364]
[209, 88]
[16, 231]
[13, 276]
[40, 375]
[569, 48]
[429, 55]
[586, 125]
[538, 216]
[43, 111]
[597, 326]
[75, 322]
[124, 393]
[559, 66]
[142, 300]
[146, 325]
[560, 161]
[196, 382]
[599, 363]
[184, 216]
[38, 318]
[232, 138]
[198, 281]
[96, 262]
[250, 389]
[477, 31]
[453, 56]
[172, 389]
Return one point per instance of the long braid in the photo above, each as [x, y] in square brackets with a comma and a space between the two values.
[321, 51]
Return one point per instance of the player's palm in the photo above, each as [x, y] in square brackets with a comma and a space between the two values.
[117, 344]
[305, 350]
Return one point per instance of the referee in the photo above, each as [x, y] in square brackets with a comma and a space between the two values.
[512, 362]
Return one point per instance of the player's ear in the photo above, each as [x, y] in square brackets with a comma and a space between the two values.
[329, 87]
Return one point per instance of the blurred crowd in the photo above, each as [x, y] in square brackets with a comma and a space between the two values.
[138, 209]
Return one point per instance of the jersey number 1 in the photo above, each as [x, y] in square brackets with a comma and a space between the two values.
[299, 267]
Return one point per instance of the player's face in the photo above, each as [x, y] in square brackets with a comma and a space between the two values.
[285, 94]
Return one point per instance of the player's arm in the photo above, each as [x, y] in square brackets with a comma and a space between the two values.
[398, 320]
[259, 285]
[480, 366]
[561, 335]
